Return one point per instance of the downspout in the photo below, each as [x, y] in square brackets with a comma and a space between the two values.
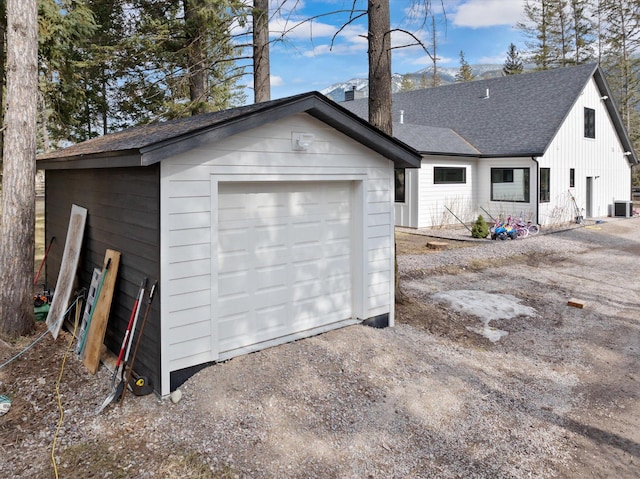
[537, 195]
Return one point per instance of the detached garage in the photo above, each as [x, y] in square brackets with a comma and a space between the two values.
[263, 224]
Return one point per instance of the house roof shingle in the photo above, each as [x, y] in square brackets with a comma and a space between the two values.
[515, 115]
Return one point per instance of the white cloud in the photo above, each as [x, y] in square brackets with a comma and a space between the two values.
[487, 13]
[300, 30]
[349, 41]
[275, 80]
[341, 49]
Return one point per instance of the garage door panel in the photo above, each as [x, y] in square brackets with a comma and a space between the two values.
[232, 262]
[309, 232]
[313, 312]
[270, 237]
[265, 261]
[305, 291]
[306, 253]
[232, 283]
[338, 227]
[304, 271]
[292, 243]
[270, 276]
[233, 305]
[270, 296]
[271, 320]
[232, 240]
[238, 331]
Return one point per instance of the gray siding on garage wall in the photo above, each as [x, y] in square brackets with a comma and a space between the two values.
[122, 214]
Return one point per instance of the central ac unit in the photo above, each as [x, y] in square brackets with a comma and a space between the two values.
[623, 209]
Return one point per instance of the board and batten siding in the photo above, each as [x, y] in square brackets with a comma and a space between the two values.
[189, 190]
[122, 214]
[600, 158]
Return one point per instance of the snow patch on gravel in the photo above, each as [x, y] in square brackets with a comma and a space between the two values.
[487, 307]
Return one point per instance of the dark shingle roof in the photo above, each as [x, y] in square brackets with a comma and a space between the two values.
[431, 139]
[519, 116]
[149, 144]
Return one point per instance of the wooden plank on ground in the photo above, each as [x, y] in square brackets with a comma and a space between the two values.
[68, 267]
[102, 308]
[576, 303]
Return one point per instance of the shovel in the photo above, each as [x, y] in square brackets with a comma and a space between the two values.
[116, 390]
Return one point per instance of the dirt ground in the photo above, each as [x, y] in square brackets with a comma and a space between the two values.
[556, 397]
[600, 342]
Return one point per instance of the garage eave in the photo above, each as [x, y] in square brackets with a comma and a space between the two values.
[119, 159]
[149, 144]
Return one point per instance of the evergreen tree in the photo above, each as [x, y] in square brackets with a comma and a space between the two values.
[538, 15]
[464, 74]
[407, 84]
[180, 59]
[480, 229]
[581, 15]
[513, 64]
[63, 27]
[622, 57]
[102, 69]
[559, 33]
[435, 79]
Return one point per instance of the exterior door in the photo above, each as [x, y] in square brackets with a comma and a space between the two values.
[589, 197]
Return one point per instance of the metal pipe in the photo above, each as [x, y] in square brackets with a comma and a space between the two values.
[537, 194]
[463, 224]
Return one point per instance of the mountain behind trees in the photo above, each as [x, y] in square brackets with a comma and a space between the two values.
[414, 80]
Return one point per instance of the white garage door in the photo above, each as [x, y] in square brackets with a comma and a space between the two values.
[284, 260]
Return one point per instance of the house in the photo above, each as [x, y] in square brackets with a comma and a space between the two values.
[549, 146]
[263, 224]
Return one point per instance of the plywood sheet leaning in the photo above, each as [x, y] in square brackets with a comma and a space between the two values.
[102, 308]
[68, 267]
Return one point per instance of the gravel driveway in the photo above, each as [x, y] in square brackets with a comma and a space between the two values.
[557, 396]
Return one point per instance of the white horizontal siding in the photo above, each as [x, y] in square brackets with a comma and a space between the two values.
[188, 212]
[460, 198]
[505, 208]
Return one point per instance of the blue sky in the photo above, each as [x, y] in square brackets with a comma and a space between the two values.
[306, 60]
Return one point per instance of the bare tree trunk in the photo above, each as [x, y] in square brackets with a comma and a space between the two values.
[380, 113]
[18, 192]
[380, 65]
[197, 57]
[3, 32]
[435, 80]
[261, 69]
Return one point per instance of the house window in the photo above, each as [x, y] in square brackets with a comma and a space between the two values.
[545, 185]
[400, 185]
[572, 177]
[589, 123]
[510, 184]
[442, 175]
